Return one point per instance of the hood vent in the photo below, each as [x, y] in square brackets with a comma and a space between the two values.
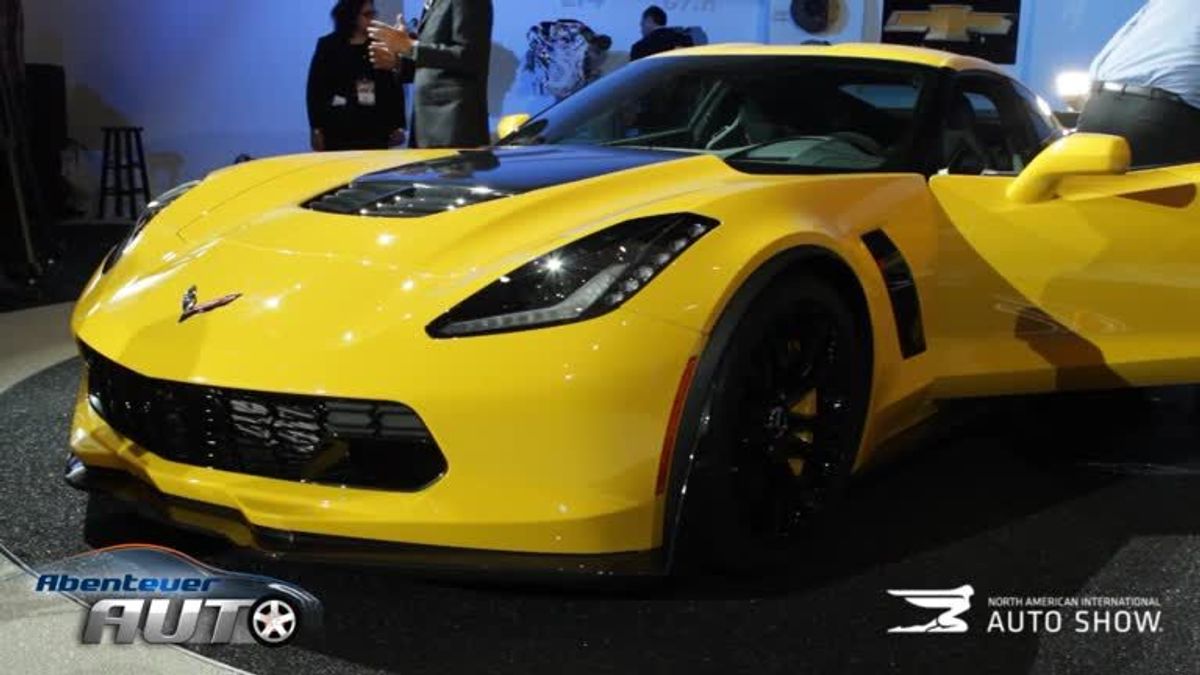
[401, 199]
[470, 177]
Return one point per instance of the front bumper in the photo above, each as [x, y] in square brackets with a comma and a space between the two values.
[553, 441]
[299, 546]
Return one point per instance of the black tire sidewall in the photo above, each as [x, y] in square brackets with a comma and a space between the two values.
[714, 530]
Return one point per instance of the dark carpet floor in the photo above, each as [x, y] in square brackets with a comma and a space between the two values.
[1096, 496]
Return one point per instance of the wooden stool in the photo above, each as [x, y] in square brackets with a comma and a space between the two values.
[123, 172]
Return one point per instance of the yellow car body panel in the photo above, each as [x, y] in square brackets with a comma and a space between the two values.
[1083, 291]
[554, 437]
[599, 390]
[847, 50]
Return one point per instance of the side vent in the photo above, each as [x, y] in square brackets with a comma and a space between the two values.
[902, 290]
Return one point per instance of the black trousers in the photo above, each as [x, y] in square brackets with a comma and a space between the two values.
[1160, 131]
[337, 142]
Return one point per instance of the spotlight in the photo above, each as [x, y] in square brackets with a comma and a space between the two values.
[1073, 87]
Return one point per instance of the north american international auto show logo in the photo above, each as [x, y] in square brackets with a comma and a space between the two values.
[947, 611]
[952, 603]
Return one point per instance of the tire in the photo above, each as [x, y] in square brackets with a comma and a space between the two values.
[785, 415]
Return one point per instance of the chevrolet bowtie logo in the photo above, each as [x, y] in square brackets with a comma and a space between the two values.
[949, 23]
[190, 307]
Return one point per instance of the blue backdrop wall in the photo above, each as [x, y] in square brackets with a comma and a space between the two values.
[210, 79]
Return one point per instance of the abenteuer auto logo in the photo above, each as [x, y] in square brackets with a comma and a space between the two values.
[167, 597]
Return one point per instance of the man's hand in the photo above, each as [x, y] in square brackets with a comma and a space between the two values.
[318, 140]
[397, 138]
[397, 38]
[382, 57]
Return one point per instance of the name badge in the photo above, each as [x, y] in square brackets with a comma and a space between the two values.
[366, 92]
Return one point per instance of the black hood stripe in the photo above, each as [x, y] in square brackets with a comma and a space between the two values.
[474, 176]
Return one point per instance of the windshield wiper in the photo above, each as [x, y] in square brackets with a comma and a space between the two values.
[861, 143]
[530, 134]
[740, 154]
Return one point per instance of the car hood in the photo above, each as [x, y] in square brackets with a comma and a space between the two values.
[332, 278]
[439, 210]
[461, 214]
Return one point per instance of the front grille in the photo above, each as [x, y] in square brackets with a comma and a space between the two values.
[311, 439]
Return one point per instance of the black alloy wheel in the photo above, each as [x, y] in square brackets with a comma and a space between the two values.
[784, 422]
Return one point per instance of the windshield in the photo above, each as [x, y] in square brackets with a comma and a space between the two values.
[768, 114]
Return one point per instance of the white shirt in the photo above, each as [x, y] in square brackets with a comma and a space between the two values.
[1159, 47]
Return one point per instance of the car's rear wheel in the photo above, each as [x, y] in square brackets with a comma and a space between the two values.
[784, 421]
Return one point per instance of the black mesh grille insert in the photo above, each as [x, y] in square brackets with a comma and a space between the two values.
[365, 444]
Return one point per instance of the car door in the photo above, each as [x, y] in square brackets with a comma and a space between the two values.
[1093, 286]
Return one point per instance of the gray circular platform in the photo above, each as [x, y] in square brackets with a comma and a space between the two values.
[1097, 496]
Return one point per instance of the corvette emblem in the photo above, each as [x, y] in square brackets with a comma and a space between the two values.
[191, 307]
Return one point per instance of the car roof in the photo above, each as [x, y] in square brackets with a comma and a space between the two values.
[847, 50]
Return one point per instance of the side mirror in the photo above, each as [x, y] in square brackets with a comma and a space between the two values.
[510, 123]
[1074, 155]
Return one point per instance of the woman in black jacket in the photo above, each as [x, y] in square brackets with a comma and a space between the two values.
[352, 105]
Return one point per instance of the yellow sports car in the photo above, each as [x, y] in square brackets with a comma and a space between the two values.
[695, 296]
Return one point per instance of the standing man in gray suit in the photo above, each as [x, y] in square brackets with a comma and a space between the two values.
[449, 56]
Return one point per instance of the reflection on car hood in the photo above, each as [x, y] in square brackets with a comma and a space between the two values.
[474, 176]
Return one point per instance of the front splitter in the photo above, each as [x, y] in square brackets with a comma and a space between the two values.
[306, 547]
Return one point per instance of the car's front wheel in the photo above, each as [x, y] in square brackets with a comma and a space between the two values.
[784, 420]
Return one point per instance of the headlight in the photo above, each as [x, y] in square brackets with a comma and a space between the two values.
[152, 209]
[582, 280]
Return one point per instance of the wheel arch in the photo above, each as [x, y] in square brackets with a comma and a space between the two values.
[808, 259]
